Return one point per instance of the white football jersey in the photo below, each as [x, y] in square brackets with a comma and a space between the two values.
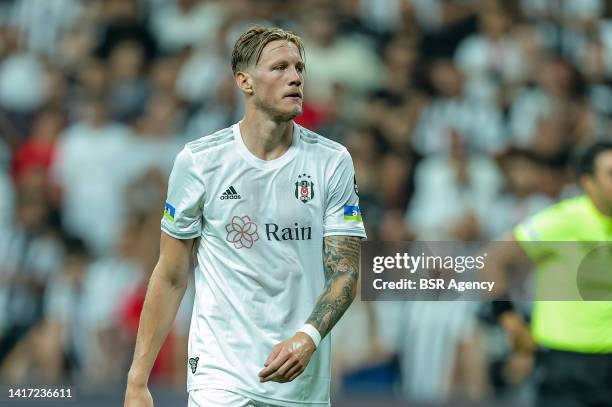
[260, 227]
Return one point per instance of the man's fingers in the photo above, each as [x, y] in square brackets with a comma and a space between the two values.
[275, 351]
[288, 365]
[287, 360]
[274, 364]
[294, 372]
[286, 373]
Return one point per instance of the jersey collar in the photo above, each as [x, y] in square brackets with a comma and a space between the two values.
[258, 162]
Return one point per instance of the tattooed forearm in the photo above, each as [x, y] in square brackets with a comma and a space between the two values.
[341, 265]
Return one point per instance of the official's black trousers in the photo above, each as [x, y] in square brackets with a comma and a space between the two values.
[570, 379]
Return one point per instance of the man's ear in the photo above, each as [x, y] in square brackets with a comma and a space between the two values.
[244, 82]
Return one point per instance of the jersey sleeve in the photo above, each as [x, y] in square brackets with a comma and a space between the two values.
[342, 212]
[183, 210]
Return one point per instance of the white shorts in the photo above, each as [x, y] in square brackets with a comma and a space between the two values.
[221, 398]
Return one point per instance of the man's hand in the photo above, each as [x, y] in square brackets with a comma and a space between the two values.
[288, 359]
[137, 396]
[518, 332]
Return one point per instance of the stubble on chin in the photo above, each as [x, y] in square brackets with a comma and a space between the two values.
[276, 114]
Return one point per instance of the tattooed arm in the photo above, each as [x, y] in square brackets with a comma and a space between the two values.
[341, 264]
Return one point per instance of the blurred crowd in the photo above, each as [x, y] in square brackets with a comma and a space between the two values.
[462, 117]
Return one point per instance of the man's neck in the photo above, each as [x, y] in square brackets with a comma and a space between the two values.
[265, 138]
[601, 208]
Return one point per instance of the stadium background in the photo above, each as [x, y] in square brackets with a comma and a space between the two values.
[461, 117]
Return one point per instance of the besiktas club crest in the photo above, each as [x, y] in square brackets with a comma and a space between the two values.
[304, 188]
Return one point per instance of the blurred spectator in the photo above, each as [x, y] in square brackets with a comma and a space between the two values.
[91, 82]
[218, 113]
[75, 48]
[400, 58]
[164, 73]
[120, 21]
[155, 142]
[468, 180]
[394, 229]
[522, 194]
[364, 342]
[393, 186]
[381, 15]
[29, 256]
[7, 199]
[441, 355]
[491, 57]
[560, 93]
[42, 23]
[198, 80]
[129, 88]
[38, 150]
[183, 23]
[22, 78]
[437, 14]
[331, 59]
[478, 123]
[90, 166]
[64, 335]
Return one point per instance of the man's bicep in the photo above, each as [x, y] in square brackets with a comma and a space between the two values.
[341, 255]
[174, 257]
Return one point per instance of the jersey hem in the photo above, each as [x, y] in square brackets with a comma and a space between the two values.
[259, 398]
[568, 346]
[180, 236]
[344, 232]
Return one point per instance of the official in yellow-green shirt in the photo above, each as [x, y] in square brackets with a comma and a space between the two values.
[574, 336]
[578, 326]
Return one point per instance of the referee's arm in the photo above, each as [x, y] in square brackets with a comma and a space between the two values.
[501, 256]
[166, 289]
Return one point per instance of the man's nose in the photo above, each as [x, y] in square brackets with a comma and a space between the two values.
[296, 77]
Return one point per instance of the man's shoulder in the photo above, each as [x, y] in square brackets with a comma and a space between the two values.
[559, 221]
[210, 141]
[315, 140]
[575, 206]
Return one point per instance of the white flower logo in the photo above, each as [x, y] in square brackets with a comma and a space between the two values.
[242, 232]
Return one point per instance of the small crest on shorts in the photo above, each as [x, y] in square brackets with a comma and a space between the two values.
[193, 362]
[304, 188]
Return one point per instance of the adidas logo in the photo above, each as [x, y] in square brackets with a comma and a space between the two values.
[230, 193]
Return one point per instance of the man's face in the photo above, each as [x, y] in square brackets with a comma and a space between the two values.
[600, 185]
[278, 80]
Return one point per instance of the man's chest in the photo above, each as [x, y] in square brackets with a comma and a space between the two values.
[280, 204]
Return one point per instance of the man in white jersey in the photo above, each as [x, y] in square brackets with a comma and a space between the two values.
[271, 211]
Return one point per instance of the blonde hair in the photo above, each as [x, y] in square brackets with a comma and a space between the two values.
[248, 48]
